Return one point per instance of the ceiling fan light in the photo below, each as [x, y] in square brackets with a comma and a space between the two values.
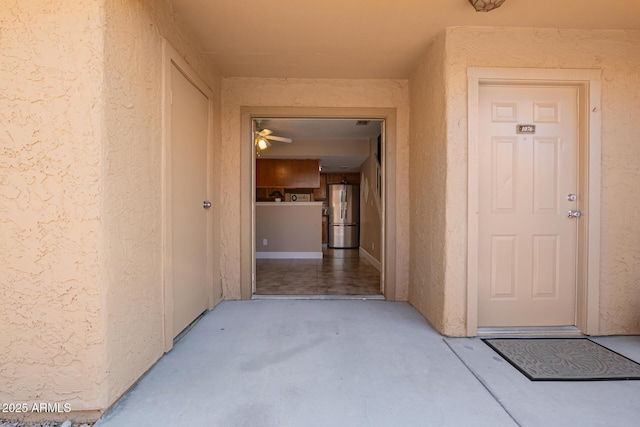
[486, 5]
[262, 143]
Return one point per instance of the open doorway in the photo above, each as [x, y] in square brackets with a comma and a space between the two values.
[318, 206]
[388, 185]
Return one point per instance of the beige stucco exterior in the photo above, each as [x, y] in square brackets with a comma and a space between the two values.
[616, 54]
[81, 190]
[428, 180]
[81, 107]
[52, 342]
[132, 154]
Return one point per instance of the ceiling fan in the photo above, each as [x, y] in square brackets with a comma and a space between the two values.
[263, 136]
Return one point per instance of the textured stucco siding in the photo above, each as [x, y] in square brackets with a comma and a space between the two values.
[51, 131]
[616, 53]
[241, 92]
[428, 175]
[132, 181]
[80, 195]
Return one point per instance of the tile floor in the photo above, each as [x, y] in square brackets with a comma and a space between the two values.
[340, 272]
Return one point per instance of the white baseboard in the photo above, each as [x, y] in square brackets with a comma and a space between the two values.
[371, 259]
[289, 255]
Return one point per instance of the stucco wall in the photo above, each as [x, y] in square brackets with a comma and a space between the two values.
[80, 196]
[428, 177]
[239, 92]
[132, 181]
[51, 131]
[617, 54]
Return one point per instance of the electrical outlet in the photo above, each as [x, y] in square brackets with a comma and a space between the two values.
[264, 242]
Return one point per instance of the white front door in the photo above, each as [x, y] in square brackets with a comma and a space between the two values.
[189, 136]
[527, 243]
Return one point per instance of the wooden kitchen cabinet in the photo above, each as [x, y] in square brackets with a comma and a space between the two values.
[289, 173]
[321, 193]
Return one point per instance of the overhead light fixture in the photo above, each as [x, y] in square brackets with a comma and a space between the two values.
[486, 5]
[262, 143]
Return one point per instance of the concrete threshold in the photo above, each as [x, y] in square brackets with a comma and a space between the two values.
[319, 297]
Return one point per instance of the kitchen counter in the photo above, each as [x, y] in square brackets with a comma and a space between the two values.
[288, 230]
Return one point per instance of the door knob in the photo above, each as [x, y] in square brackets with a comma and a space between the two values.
[206, 204]
[574, 214]
[572, 197]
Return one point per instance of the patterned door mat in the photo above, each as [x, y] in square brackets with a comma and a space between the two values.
[564, 359]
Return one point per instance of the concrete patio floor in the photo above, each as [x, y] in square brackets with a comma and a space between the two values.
[355, 363]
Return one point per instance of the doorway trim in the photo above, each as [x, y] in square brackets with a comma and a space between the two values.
[247, 170]
[589, 176]
[171, 57]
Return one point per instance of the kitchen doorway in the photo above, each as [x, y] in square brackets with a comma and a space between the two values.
[318, 206]
[328, 272]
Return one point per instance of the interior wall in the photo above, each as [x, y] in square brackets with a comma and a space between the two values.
[370, 206]
[302, 93]
[428, 181]
[317, 148]
[616, 53]
[132, 181]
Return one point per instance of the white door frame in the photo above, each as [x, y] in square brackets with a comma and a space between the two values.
[171, 57]
[588, 275]
[247, 262]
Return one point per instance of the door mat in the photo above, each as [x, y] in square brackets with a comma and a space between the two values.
[564, 359]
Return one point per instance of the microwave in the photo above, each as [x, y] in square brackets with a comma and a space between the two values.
[300, 197]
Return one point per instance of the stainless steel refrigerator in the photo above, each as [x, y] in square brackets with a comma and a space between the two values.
[344, 216]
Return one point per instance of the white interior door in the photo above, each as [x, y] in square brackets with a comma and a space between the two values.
[189, 135]
[527, 242]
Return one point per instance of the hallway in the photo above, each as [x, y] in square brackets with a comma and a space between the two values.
[355, 363]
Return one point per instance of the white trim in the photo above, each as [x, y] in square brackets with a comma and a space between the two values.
[377, 264]
[289, 255]
[587, 307]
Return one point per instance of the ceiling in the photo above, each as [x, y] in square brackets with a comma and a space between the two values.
[359, 39]
[323, 129]
[342, 145]
[363, 39]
